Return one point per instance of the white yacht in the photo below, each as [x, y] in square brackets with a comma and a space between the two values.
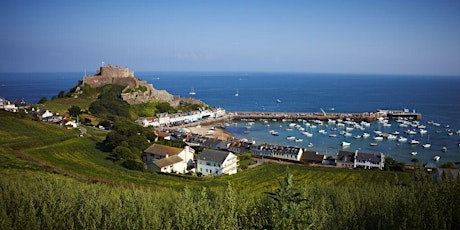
[344, 143]
[192, 92]
[414, 142]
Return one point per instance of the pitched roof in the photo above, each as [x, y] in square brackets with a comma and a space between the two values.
[167, 161]
[345, 156]
[211, 155]
[163, 150]
[375, 158]
[312, 156]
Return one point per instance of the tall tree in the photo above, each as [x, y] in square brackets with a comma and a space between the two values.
[74, 111]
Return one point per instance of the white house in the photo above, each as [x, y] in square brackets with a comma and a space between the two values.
[278, 151]
[369, 160]
[71, 123]
[8, 106]
[216, 162]
[168, 159]
[45, 115]
[359, 159]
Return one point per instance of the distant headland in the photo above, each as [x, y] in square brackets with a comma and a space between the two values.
[136, 91]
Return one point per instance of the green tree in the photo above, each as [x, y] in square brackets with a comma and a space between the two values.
[165, 107]
[74, 111]
[61, 94]
[42, 100]
[288, 206]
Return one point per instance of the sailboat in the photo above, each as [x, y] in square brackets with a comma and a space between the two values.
[192, 92]
[236, 94]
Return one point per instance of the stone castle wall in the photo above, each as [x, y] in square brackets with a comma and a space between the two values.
[122, 76]
[111, 75]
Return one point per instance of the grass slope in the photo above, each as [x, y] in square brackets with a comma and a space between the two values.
[29, 148]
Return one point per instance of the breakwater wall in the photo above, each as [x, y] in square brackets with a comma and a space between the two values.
[366, 116]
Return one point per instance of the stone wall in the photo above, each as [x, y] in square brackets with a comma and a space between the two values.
[111, 75]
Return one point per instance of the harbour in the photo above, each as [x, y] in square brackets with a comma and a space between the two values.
[323, 116]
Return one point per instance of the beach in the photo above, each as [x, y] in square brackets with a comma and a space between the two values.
[210, 131]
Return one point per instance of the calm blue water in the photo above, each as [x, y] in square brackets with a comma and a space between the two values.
[436, 97]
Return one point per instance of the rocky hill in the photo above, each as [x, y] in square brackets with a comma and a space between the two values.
[136, 91]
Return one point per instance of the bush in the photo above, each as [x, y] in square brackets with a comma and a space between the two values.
[134, 165]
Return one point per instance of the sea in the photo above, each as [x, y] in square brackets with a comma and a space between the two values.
[437, 98]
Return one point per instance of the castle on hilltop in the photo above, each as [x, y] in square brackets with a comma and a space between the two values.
[111, 75]
[136, 91]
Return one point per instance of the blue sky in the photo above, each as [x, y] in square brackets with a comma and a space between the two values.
[383, 37]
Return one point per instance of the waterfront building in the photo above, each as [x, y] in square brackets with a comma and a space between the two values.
[217, 162]
[357, 159]
[278, 151]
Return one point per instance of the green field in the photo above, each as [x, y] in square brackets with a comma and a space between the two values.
[50, 178]
[51, 148]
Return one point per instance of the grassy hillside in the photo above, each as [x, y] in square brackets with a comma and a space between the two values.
[50, 178]
[51, 148]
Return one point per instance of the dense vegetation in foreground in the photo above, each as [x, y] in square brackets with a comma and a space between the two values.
[51, 178]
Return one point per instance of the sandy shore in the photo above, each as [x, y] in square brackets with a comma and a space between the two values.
[207, 131]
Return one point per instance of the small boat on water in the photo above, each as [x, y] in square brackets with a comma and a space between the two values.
[413, 153]
[236, 94]
[366, 135]
[290, 138]
[298, 140]
[436, 158]
[402, 139]
[278, 101]
[427, 145]
[444, 149]
[273, 132]
[373, 144]
[310, 145]
[192, 92]
[345, 144]
[414, 142]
